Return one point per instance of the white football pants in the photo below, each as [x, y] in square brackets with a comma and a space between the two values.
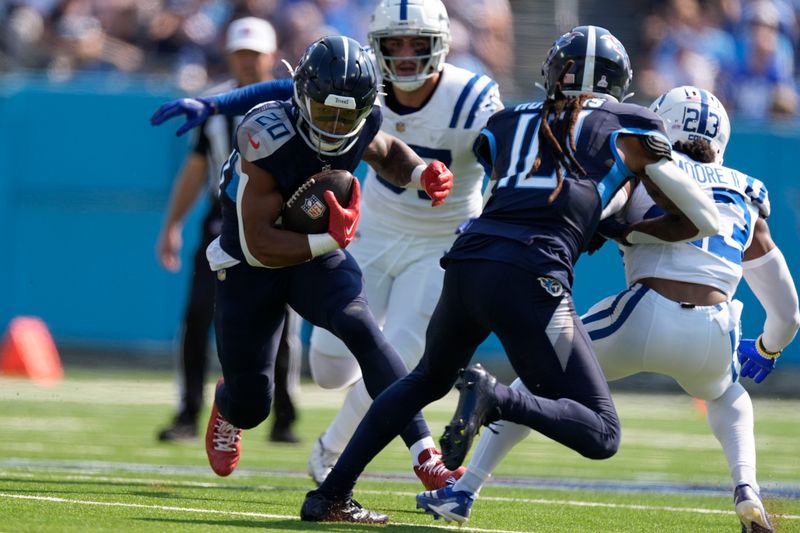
[403, 281]
[639, 330]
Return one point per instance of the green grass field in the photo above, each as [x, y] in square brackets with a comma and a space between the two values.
[82, 456]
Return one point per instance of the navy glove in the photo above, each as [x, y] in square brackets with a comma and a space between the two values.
[756, 361]
[196, 111]
[608, 229]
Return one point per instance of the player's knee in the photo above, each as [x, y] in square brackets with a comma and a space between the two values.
[332, 372]
[604, 449]
[250, 402]
[605, 445]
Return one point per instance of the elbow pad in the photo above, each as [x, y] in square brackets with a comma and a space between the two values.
[769, 278]
[686, 195]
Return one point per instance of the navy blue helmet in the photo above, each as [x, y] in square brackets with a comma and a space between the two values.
[335, 87]
[601, 64]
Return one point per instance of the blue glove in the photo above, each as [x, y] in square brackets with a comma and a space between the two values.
[755, 362]
[196, 111]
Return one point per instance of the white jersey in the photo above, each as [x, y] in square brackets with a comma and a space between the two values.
[715, 261]
[444, 129]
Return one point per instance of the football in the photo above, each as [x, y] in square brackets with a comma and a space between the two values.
[306, 210]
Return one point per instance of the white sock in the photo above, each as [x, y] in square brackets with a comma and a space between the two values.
[344, 424]
[417, 448]
[731, 419]
[491, 449]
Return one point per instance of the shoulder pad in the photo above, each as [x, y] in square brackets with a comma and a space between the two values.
[632, 116]
[476, 98]
[263, 131]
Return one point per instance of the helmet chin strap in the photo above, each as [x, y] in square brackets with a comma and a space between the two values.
[604, 96]
[325, 146]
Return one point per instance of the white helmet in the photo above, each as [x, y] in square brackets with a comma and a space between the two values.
[690, 113]
[410, 18]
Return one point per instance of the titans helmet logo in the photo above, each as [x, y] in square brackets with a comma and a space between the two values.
[567, 38]
[562, 41]
[615, 45]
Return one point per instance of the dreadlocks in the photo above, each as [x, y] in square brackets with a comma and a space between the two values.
[698, 149]
[553, 107]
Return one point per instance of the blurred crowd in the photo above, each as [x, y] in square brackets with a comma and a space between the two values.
[744, 51]
[183, 39]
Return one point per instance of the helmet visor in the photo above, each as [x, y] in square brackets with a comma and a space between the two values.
[334, 123]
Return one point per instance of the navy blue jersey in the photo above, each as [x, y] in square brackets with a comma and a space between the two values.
[268, 138]
[518, 225]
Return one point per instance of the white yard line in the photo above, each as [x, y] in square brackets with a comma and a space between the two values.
[579, 503]
[574, 503]
[51, 499]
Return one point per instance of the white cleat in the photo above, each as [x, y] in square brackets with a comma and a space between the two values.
[321, 461]
[750, 511]
[452, 505]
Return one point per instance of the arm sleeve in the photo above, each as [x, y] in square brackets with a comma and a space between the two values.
[616, 204]
[769, 278]
[240, 101]
[686, 195]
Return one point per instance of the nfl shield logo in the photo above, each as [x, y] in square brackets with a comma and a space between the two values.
[313, 207]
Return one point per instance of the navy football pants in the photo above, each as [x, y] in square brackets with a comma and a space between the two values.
[249, 311]
[546, 344]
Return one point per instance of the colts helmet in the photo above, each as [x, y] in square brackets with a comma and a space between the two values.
[335, 87]
[601, 67]
[690, 113]
[410, 18]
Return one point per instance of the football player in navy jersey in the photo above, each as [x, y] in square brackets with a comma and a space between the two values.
[678, 316]
[438, 109]
[331, 122]
[555, 165]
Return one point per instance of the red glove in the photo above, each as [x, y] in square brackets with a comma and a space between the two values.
[437, 180]
[343, 222]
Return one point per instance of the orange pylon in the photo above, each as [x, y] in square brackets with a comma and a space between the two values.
[28, 350]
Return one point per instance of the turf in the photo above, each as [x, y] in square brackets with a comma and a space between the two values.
[82, 456]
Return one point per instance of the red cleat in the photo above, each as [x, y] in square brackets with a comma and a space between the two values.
[432, 472]
[223, 442]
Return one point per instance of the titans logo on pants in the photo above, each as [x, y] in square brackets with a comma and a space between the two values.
[552, 286]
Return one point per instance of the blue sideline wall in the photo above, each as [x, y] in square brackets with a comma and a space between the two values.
[84, 185]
